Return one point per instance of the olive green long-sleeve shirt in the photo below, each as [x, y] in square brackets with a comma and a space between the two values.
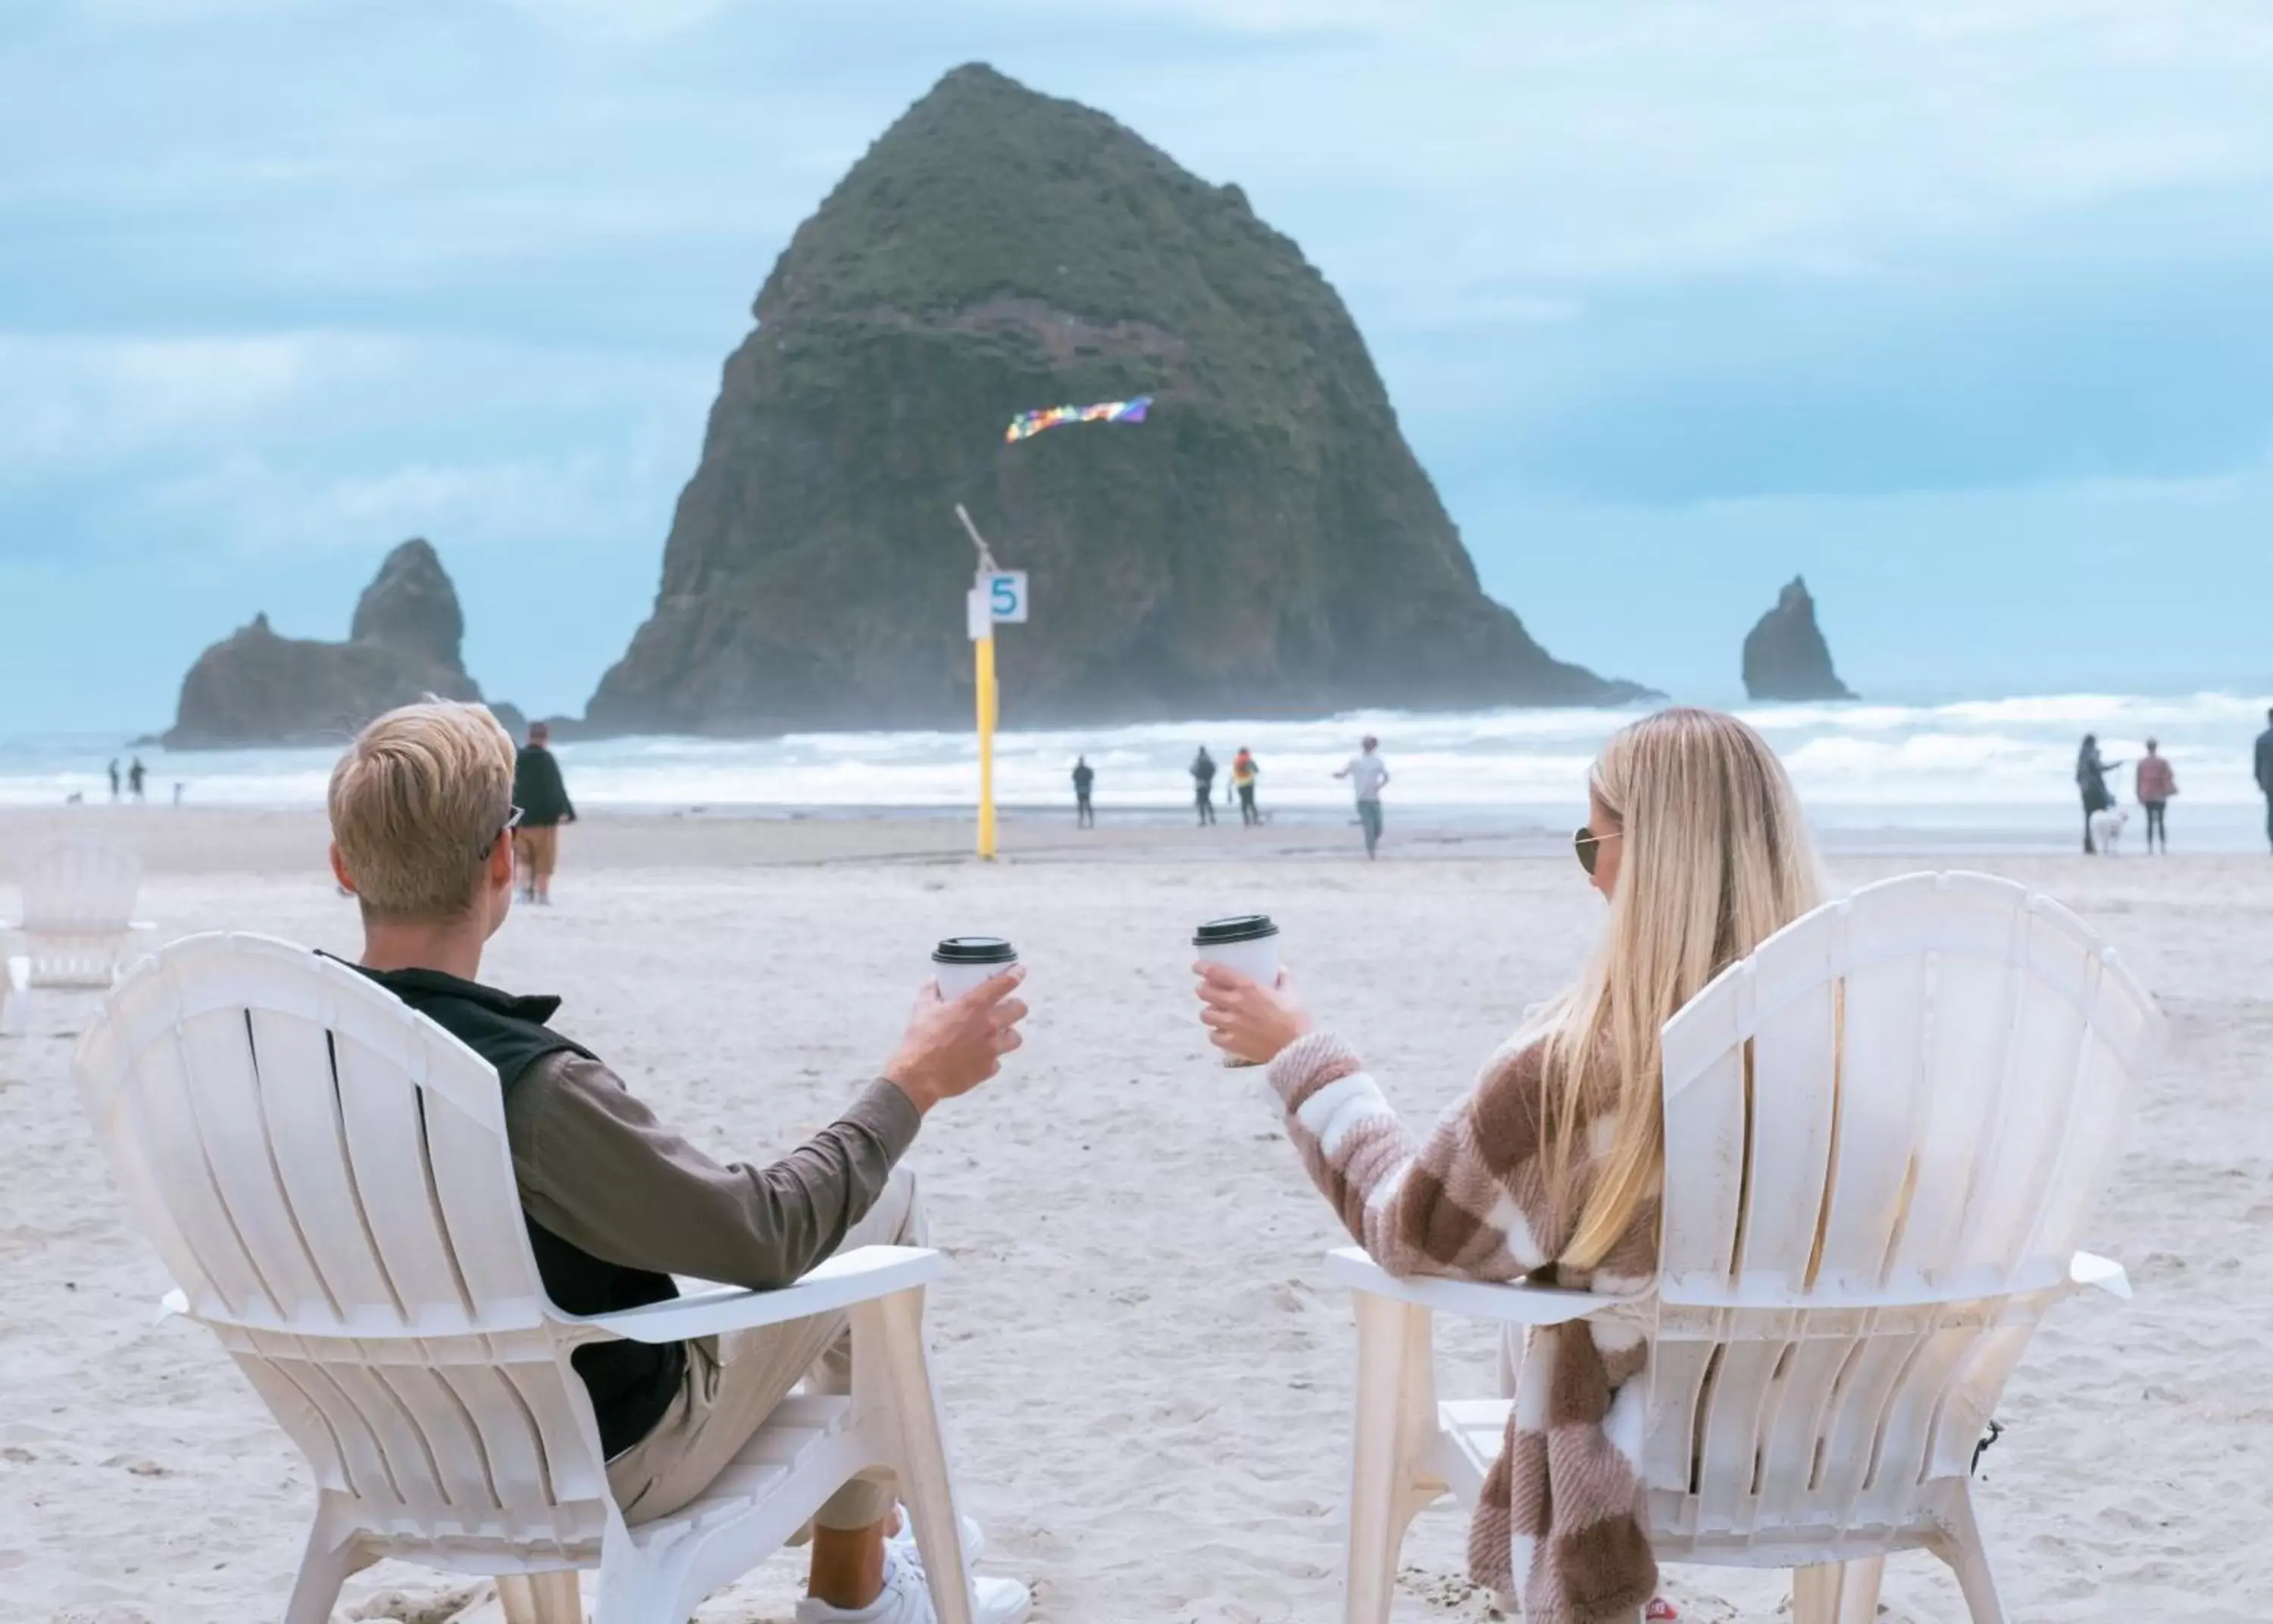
[596, 1169]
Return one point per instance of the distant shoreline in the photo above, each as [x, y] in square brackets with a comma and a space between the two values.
[1993, 775]
[192, 840]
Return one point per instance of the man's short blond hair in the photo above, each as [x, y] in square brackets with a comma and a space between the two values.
[417, 803]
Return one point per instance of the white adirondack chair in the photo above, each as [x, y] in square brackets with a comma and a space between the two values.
[1885, 1133]
[326, 1174]
[78, 918]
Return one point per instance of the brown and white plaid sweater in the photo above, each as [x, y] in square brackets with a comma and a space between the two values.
[1561, 1522]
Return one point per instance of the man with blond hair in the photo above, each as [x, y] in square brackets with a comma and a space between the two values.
[616, 1203]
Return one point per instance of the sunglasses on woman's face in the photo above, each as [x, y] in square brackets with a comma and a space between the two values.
[1589, 845]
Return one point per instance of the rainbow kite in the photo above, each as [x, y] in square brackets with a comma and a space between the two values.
[1025, 426]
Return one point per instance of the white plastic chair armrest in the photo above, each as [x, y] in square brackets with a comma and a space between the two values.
[1511, 1305]
[2087, 1268]
[851, 1277]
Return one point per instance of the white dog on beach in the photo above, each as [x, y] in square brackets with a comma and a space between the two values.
[2107, 829]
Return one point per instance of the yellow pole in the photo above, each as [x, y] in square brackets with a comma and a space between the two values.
[983, 650]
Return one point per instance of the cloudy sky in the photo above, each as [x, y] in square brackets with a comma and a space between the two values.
[1963, 309]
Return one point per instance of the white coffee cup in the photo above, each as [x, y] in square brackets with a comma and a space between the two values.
[1247, 943]
[961, 962]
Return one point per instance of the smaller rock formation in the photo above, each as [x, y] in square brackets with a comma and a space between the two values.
[1785, 655]
[259, 688]
[411, 605]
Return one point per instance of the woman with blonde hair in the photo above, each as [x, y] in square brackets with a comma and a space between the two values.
[1552, 1167]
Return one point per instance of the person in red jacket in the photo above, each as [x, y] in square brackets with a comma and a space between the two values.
[2154, 784]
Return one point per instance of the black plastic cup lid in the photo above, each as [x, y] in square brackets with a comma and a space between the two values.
[1240, 928]
[974, 950]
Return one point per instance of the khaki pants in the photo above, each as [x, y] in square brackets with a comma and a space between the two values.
[733, 1383]
[538, 850]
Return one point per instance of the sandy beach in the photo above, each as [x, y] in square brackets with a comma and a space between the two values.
[1148, 1379]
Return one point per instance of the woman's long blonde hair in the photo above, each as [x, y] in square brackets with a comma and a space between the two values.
[1714, 858]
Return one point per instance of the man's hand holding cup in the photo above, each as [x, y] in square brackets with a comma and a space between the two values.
[955, 1043]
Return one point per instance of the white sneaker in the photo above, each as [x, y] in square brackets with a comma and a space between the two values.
[906, 1599]
[974, 1539]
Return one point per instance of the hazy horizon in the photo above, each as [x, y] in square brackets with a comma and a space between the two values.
[1965, 312]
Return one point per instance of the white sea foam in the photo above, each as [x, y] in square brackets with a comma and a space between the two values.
[1997, 763]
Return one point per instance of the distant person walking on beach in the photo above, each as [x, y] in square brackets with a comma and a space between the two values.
[1085, 815]
[2091, 781]
[114, 778]
[2154, 783]
[1367, 773]
[1204, 785]
[2265, 773]
[1244, 774]
[544, 806]
[135, 775]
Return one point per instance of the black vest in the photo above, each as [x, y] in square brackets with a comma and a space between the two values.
[632, 1383]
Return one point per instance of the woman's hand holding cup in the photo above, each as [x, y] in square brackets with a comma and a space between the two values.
[1248, 1021]
[1247, 945]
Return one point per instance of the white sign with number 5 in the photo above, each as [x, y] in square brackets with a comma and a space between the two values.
[1005, 592]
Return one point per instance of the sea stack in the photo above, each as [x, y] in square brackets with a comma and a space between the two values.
[259, 688]
[1265, 544]
[1785, 655]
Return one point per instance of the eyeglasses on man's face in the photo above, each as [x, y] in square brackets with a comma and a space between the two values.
[512, 822]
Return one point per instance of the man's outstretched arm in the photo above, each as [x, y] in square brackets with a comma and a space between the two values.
[598, 1169]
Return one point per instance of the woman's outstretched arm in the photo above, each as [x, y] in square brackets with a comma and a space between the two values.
[1468, 1200]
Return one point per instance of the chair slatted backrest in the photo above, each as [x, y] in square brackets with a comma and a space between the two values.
[1886, 1132]
[78, 908]
[326, 1175]
[80, 883]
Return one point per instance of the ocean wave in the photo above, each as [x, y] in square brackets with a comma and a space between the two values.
[1988, 756]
